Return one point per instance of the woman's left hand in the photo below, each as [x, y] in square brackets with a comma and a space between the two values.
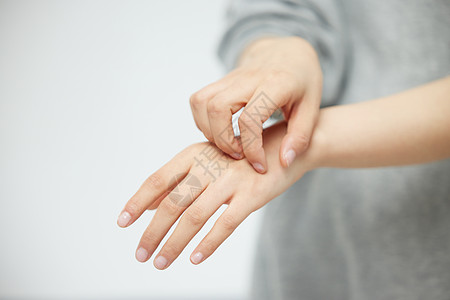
[195, 183]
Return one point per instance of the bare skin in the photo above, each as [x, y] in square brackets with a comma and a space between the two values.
[411, 127]
[272, 73]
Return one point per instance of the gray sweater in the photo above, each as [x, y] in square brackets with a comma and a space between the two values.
[356, 234]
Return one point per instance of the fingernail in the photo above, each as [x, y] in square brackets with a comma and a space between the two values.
[160, 262]
[236, 155]
[197, 258]
[124, 219]
[258, 167]
[141, 254]
[289, 157]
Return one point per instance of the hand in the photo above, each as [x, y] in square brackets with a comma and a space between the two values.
[197, 182]
[272, 73]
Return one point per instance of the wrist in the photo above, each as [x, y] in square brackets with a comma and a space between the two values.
[309, 160]
[254, 48]
[272, 47]
[319, 149]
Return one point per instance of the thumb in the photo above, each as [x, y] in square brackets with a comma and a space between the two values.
[300, 126]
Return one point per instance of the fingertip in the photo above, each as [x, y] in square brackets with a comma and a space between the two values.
[289, 157]
[141, 255]
[232, 148]
[257, 158]
[290, 148]
[237, 155]
[160, 262]
[281, 156]
[259, 167]
[124, 219]
[197, 258]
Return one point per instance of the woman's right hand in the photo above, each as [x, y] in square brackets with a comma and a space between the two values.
[272, 73]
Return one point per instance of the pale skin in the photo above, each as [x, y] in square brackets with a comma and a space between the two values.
[411, 127]
[292, 82]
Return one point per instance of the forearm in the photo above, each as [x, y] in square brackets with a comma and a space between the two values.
[407, 128]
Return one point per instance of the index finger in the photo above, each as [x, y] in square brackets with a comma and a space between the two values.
[154, 187]
[220, 111]
[251, 120]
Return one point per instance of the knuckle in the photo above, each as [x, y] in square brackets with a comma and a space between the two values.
[229, 222]
[198, 98]
[169, 207]
[214, 106]
[154, 181]
[195, 215]
[303, 141]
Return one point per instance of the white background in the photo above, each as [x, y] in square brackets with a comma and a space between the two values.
[93, 99]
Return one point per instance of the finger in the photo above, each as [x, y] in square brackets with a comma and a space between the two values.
[156, 203]
[301, 122]
[166, 215]
[220, 111]
[255, 113]
[193, 219]
[199, 101]
[222, 229]
[153, 187]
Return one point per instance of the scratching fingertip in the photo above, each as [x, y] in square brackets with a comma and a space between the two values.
[259, 168]
[236, 155]
[289, 157]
